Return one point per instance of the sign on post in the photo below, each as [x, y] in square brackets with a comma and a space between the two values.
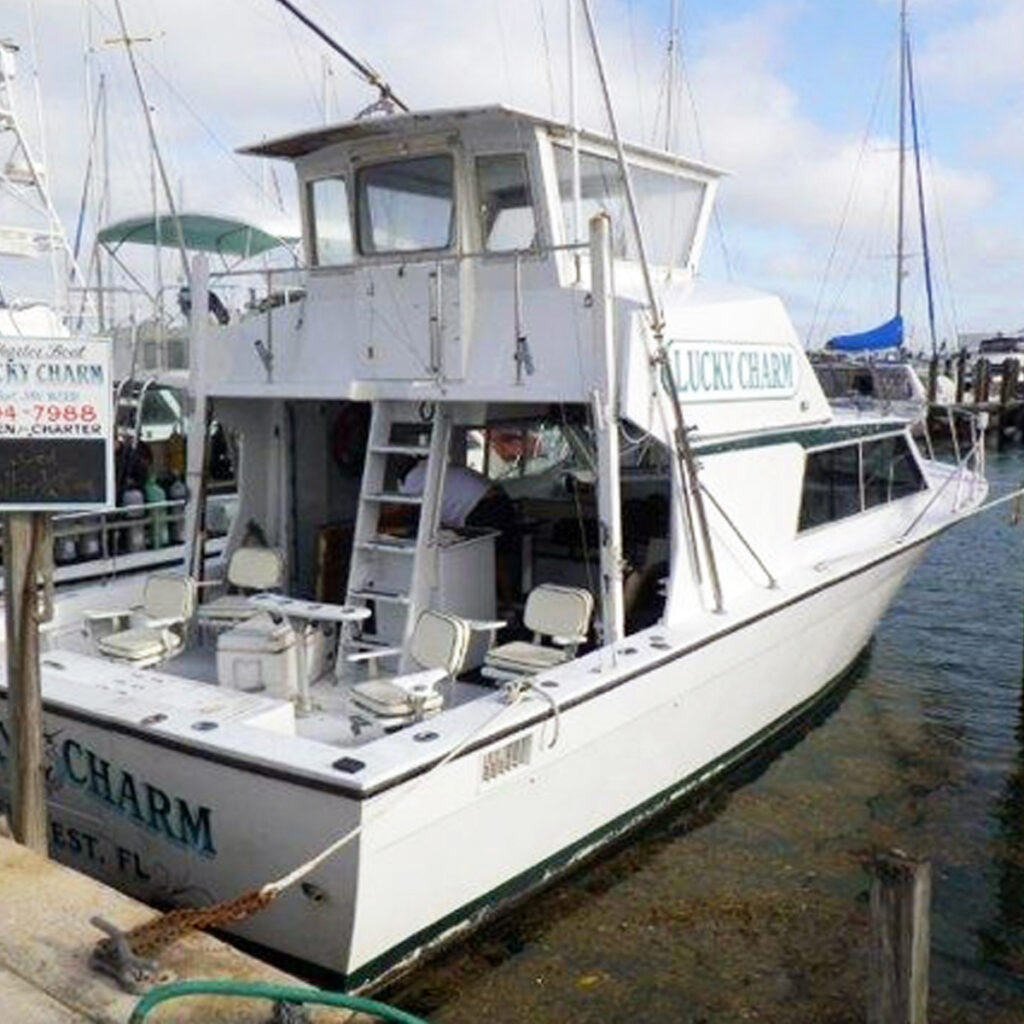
[56, 425]
[56, 455]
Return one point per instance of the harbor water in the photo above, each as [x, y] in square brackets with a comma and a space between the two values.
[751, 903]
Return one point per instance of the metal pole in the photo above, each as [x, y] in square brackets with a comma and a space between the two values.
[168, 192]
[574, 121]
[26, 535]
[688, 467]
[900, 255]
[920, 201]
[606, 424]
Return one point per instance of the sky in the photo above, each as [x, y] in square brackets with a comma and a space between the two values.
[796, 99]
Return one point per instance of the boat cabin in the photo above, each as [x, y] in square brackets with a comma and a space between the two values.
[468, 410]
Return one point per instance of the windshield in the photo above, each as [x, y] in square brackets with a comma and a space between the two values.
[407, 205]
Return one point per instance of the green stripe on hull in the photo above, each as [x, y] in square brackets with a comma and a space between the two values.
[378, 970]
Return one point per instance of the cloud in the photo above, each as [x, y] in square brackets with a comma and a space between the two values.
[223, 73]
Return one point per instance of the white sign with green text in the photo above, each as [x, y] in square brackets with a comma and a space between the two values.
[707, 371]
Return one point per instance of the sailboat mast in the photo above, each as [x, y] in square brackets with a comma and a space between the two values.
[900, 253]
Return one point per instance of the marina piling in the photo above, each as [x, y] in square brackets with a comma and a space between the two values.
[900, 938]
[982, 381]
[1007, 397]
[27, 537]
[961, 375]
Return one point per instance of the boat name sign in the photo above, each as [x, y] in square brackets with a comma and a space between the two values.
[707, 371]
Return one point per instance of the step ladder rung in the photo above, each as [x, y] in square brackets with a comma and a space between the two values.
[401, 449]
[385, 596]
[398, 547]
[394, 498]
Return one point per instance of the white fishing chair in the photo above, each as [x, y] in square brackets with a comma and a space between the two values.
[560, 614]
[438, 646]
[153, 633]
[250, 571]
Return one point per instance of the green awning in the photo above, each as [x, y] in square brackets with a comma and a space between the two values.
[202, 233]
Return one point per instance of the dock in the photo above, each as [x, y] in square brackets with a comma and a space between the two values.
[46, 939]
[995, 389]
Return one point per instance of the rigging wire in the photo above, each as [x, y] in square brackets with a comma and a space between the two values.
[152, 68]
[847, 205]
[698, 132]
[387, 96]
[547, 58]
[303, 66]
[937, 207]
[636, 69]
[506, 66]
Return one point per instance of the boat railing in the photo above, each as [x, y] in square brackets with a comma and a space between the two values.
[117, 532]
[418, 270]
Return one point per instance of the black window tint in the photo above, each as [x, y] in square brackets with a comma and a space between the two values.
[906, 474]
[831, 486]
[878, 461]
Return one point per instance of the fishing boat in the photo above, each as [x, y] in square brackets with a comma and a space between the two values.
[374, 720]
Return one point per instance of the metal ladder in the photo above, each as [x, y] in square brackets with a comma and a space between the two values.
[388, 570]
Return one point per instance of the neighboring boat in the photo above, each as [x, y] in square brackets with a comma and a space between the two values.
[890, 387]
[449, 299]
[870, 368]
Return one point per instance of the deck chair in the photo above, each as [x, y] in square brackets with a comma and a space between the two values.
[562, 615]
[438, 646]
[155, 634]
[250, 571]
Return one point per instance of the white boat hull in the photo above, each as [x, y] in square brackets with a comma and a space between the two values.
[174, 823]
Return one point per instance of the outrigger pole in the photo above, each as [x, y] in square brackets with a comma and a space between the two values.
[687, 463]
[387, 95]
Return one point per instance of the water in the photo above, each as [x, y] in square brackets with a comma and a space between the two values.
[753, 904]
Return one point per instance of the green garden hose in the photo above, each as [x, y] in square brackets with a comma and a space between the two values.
[267, 990]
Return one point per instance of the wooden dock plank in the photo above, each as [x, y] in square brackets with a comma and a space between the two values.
[46, 939]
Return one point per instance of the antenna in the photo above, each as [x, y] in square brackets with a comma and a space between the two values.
[129, 44]
[387, 100]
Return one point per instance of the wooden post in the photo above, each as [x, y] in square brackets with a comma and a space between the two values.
[26, 535]
[981, 381]
[1007, 393]
[961, 375]
[900, 940]
[933, 379]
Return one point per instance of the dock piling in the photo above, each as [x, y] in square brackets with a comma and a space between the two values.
[27, 540]
[900, 939]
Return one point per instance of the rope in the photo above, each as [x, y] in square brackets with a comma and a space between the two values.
[153, 936]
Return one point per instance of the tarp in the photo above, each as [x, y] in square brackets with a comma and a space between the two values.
[887, 335]
[202, 233]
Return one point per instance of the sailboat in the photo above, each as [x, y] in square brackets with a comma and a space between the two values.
[856, 379]
[356, 736]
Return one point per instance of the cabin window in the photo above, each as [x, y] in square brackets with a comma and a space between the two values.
[331, 228]
[890, 471]
[668, 206]
[831, 486]
[407, 205]
[842, 481]
[506, 206]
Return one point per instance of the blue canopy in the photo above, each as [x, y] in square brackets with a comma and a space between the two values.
[887, 335]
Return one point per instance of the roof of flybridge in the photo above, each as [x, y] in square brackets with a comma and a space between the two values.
[300, 144]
